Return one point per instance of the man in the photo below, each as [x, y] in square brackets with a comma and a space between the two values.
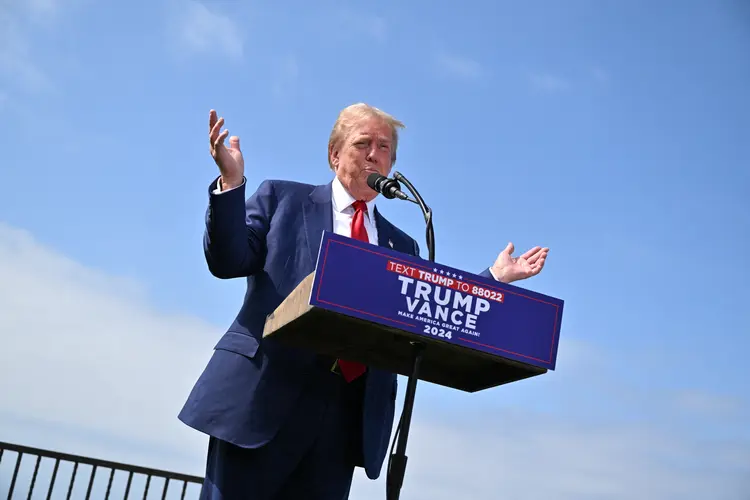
[286, 423]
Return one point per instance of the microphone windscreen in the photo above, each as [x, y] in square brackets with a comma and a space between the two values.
[372, 181]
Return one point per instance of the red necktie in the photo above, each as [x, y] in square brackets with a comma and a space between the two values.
[349, 369]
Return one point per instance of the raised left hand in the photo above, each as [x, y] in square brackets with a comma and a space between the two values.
[508, 268]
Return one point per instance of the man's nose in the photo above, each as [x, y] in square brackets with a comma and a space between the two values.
[371, 156]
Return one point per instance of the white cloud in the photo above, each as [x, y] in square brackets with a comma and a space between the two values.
[459, 66]
[42, 8]
[88, 366]
[83, 350]
[548, 83]
[18, 67]
[528, 457]
[702, 403]
[195, 28]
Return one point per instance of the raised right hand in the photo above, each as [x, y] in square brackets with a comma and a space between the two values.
[229, 160]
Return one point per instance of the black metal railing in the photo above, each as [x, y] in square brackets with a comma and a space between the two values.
[116, 485]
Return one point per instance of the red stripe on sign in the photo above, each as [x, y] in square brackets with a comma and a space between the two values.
[445, 281]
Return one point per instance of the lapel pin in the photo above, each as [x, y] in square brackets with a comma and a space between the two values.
[390, 243]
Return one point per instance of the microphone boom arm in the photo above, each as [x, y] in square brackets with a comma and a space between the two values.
[427, 211]
[397, 461]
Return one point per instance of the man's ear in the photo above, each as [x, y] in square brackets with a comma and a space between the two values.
[333, 156]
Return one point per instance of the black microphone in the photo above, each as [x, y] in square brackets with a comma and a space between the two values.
[390, 188]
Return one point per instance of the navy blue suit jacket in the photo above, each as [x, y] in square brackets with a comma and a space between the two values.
[272, 239]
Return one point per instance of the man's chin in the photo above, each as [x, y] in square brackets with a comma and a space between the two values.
[366, 193]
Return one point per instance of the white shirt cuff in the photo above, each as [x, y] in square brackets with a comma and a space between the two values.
[217, 189]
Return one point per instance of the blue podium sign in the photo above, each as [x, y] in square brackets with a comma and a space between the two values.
[441, 303]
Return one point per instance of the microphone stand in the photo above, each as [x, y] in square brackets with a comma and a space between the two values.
[397, 461]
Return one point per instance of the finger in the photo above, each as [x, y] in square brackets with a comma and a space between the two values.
[531, 252]
[234, 142]
[214, 133]
[533, 258]
[539, 265]
[220, 140]
[542, 254]
[211, 120]
[509, 249]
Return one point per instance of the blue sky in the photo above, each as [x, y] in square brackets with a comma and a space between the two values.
[615, 133]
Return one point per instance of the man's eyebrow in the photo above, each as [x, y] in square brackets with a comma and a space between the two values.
[381, 138]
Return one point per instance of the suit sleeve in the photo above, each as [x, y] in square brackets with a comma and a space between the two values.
[234, 241]
[487, 274]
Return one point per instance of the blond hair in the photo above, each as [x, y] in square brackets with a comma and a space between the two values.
[353, 114]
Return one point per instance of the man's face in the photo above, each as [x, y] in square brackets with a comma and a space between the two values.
[366, 149]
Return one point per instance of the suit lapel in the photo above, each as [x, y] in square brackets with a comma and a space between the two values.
[318, 216]
[386, 234]
[384, 230]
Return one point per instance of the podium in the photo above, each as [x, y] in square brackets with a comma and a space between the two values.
[417, 318]
[370, 304]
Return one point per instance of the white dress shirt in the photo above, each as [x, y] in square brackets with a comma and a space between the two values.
[343, 211]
